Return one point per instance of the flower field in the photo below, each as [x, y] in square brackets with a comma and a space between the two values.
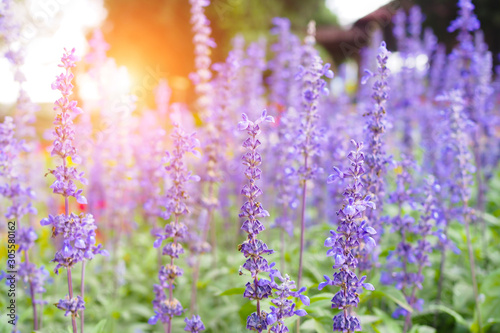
[274, 200]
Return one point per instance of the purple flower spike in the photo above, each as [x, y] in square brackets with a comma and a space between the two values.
[345, 240]
[253, 248]
[376, 158]
[175, 203]
[71, 305]
[77, 232]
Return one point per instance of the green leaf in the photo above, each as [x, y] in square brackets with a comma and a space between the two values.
[321, 322]
[442, 308]
[101, 326]
[393, 294]
[232, 291]
[367, 319]
[387, 325]
[422, 329]
[490, 308]
[321, 297]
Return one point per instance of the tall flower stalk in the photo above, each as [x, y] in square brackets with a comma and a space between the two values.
[253, 248]
[282, 84]
[430, 213]
[407, 262]
[165, 305]
[376, 158]
[77, 231]
[205, 104]
[352, 230]
[462, 174]
[307, 143]
[469, 60]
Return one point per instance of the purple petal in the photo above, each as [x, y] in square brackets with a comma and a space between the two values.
[368, 286]
[243, 125]
[301, 313]
[305, 300]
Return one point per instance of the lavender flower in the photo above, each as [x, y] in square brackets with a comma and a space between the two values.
[462, 56]
[252, 248]
[212, 110]
[352, 231]
[194, 325]
[35, 278]
[254, 66]
[175, 204]
[282, 85]
[376, 158]
[12, 187]
[461, 180]
[283, 307]
[79, 238]
[398, 261]
[203, 45]
[77, 231]
[71, 305]
[430, 214]
[307, 143]
[407, 261]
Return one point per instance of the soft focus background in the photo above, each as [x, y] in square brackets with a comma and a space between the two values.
[150, 55]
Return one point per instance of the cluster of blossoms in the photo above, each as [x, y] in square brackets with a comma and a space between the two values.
[77, 231]
[71, 305]
[79, 238]
[32, 276]
[352, 231]
[194, 325]
[175, 204]
[13, 187]
[283, 307]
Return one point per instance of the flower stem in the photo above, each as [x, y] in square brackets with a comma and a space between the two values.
[282, 249]
[70, 290]
[480, 203]
[32, 294]
[208, 225]
[82, 291]
[170, 285]
[473, 271]
[196, 269]
[302, 231]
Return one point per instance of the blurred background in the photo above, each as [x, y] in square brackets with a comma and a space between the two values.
[152, 39]
[151, 53]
